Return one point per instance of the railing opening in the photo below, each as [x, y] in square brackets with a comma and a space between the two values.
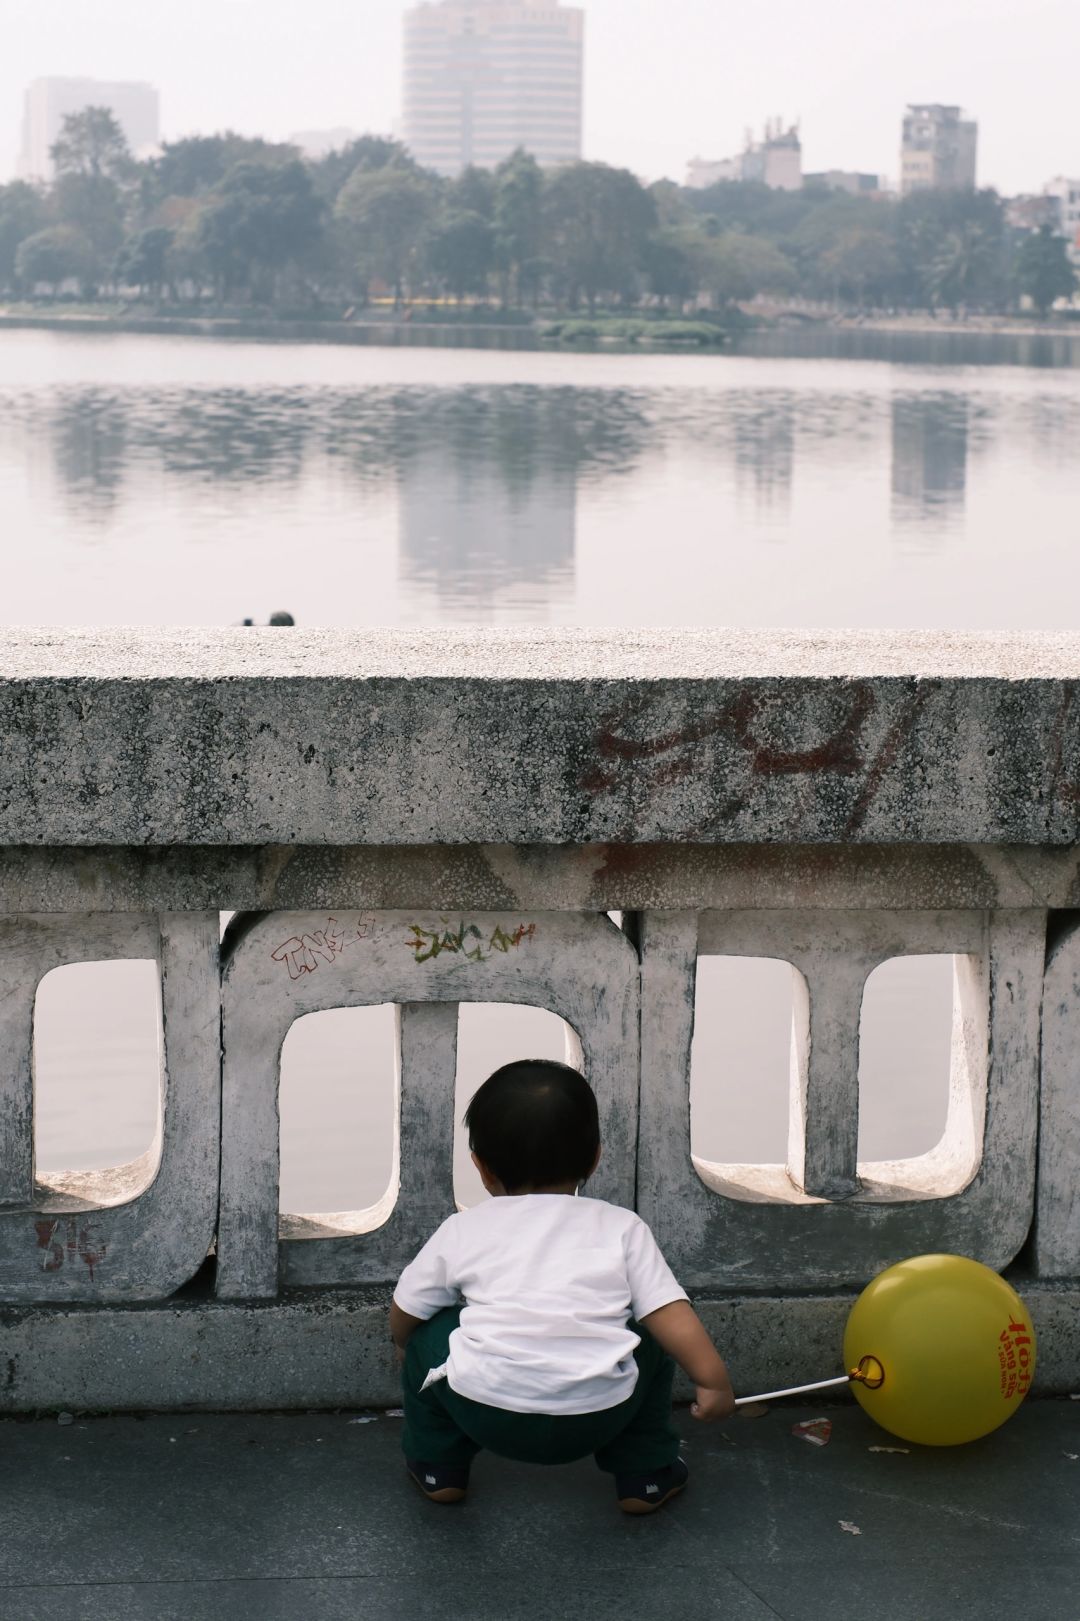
[491, 1034]
[905, 1046]
[740, 1062]
[97, 1079]
[337, 1100]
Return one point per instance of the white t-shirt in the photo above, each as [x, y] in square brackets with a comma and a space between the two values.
[548, 1282]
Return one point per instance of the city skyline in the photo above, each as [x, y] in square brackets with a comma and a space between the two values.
[651, 102]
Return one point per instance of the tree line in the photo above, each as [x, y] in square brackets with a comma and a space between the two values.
[245, 221]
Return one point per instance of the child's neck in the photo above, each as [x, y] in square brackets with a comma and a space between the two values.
[499, 1192]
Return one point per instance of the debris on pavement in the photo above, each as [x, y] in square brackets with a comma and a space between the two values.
[65, 1418]
[818, 1431]
[905, 1450]
[851, 1529]
[365, 1418]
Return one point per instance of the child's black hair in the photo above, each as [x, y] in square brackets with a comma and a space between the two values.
[534, 1124]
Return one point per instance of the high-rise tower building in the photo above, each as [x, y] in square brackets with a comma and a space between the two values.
[483, 77]
[49, 101]
[938, 149]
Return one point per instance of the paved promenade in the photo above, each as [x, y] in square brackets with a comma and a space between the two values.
[310, 1518]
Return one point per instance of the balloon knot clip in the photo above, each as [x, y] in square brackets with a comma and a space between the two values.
[869, 1372]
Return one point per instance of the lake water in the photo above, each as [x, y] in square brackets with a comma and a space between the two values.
[177, 481]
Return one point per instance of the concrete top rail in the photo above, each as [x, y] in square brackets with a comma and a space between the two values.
[531, 653]
[471, 736]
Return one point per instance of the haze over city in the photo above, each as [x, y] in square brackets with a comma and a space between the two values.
[662, 83]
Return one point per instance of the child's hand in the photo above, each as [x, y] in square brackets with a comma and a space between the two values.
[713, 1404]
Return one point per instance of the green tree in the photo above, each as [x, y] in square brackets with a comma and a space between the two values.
[952, 249]
[862, 265]
[473, 192]
[93, 205]
[22, 213]
[599, 221]
[366, 154]
[733, 266]
[751, 206]
[91, 143]
[671, 262]
[960, 269]
[673, 209]
[143, 260]
[57, 254]
[389, 213]
[518, 221]
[194, 166]
[259, 219]
[1043, 271]
[462, 253]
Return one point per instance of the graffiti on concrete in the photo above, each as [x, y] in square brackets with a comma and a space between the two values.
[62, 1239]
[303, 953]
[467, 941]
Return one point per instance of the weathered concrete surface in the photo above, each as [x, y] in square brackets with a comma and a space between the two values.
[556, 736]
[1057, 1209]
[138, 1231]
[828, 1221]
[277, 1519]
[597, 877]
[291, 964]
[329, 1348]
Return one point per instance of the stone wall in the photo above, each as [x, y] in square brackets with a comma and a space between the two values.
[435, 819]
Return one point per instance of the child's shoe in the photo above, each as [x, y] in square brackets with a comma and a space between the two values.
[439, 1482]
[644, 1494]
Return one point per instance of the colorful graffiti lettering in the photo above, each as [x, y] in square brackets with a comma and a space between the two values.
[467, 941]
[302, 953]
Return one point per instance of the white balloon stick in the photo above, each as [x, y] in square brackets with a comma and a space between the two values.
[795, 1390]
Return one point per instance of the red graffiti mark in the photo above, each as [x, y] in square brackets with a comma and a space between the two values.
[302, 953]
[840, 752]
[897, 734]
[62, 1239]
[53, 1258]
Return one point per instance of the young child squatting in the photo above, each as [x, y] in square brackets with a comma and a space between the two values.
[541, 1326]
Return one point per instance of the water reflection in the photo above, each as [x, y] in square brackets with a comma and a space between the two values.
[89, 439]
[467, 531]
[578, 490]
[764, 447]
[929, 456]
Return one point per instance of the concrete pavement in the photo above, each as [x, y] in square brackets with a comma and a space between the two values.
[310, 1518]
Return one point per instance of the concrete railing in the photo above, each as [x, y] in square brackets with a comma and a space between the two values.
[431, 820]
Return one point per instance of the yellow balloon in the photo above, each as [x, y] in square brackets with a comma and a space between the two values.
[955, 1346]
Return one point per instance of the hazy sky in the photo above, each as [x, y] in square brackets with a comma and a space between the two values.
[665, 79]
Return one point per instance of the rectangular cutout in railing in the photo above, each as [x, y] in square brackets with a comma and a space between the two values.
[491, 1034]
[740, 1064]
[129, 1232]
[281, 966]
[338, 1108]
[905, 1047]
[97, 1080]
[826, 1218]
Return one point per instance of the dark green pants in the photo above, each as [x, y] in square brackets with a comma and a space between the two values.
[443, 1427]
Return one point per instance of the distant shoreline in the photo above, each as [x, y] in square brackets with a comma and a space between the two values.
[987, 339]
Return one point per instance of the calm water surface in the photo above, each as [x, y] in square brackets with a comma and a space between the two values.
[175, 481]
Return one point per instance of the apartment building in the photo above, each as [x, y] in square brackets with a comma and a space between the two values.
[484, 77]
